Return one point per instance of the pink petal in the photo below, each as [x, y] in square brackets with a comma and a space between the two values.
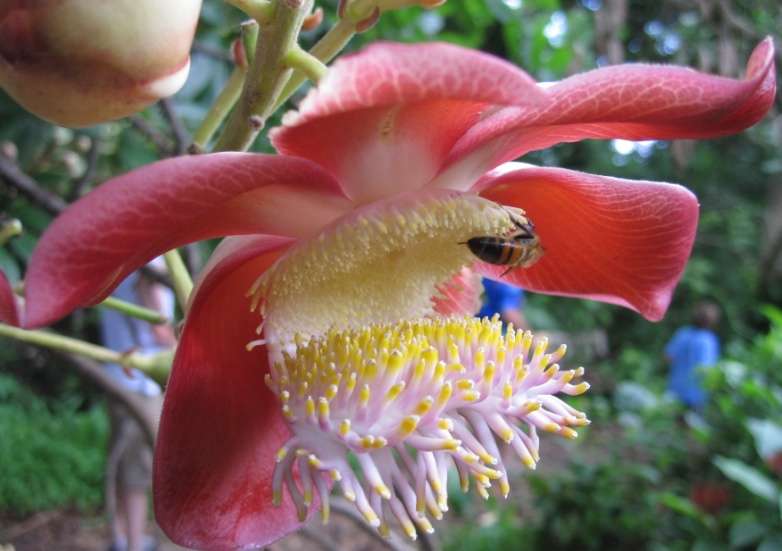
[131, 219]
[460, 296]
[619, 241]
[221, 426]
[635, 102]
[9, 309]
[385, 118]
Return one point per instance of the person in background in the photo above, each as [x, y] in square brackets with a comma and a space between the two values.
[690, 347]
[129, 464]
[503, 299]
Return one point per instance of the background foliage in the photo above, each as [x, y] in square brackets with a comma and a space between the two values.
[646, 475]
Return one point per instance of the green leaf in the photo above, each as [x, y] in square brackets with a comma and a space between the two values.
[771, 543]
[9, 266]
[749, 477]
[679, 504]
[746, 532]
[767, 435]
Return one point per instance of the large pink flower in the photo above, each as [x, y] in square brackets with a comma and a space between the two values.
[351, 248]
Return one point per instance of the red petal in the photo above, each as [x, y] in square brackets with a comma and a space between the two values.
[619, 241]
[9, 309]
[384, 119]
[635, 102]
[131, 219]
[221, 426]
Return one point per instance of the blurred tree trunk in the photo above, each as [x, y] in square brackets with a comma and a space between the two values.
[609, 27]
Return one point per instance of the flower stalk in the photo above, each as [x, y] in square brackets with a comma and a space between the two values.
[307, 63]
[156, 366]
[134, 311]
[180, 277]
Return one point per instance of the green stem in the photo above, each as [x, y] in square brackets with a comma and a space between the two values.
[260, 10]
[157, 365]
[10, 229]
[134, 311]
[306, 63]
[266, 77]
[219, 110]
[249, 31]
[325, 50]
[128, 308]
[180, 277]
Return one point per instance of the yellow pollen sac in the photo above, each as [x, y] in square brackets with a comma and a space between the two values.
[281, 454]
[504, 488]
[315, 462]
[408, 424]
[580, 388]
[364, 395]
[551, 372]
[487, 458]
[465, 384]
[551, 427]
[323, 407]
[451, 444]
[344, 427]
[488, 373]
[445, 424]
[569, 433]
[445, 394]
[394, 391]
[471, 396]
[424, 406]
[332, 391]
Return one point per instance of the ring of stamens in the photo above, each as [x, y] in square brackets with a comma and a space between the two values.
[408, 401]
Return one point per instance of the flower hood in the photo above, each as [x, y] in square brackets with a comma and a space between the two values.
[390, 129]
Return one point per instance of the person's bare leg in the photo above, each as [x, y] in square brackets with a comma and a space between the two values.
[136, 503]
[119, 524]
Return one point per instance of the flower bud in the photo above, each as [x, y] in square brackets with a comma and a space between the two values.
[80, 62]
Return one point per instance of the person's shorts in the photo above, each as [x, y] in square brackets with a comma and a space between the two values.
[131, 449]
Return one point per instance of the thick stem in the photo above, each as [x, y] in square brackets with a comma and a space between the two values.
[267, 75]
[180, 278]
[325, 50]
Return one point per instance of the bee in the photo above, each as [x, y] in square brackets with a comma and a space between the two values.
[520, 248]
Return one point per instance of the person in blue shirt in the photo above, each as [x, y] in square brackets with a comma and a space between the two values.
[690, 347]
[129, 473]
[503, 299]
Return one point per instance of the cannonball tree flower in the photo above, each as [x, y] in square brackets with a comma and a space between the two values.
[80, 62]
[334, 327]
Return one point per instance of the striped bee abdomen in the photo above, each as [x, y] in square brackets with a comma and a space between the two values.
[494, 250]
